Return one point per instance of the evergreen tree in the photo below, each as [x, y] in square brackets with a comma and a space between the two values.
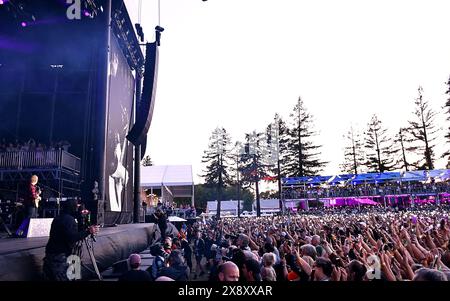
[147, 161]
[353, 153]
[217, 159]
[302, 153]
[253, 165]
[379, 152]
[423, 130]
[278, 138]
[403, 144]
[447, 111]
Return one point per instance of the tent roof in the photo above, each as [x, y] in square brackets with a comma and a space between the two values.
[166, 175]
[418, 175]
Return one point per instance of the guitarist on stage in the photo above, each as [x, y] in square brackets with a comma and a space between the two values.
[33, 199]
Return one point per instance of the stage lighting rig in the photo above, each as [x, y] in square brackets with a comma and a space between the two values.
[90, 8]
[129, 43]
[158, 30]
[139, 31]
[20, 12]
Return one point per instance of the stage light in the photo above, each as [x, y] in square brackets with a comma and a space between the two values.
[23, 24]
[2, 2]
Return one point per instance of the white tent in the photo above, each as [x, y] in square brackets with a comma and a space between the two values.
[173, 180]
[176, 219]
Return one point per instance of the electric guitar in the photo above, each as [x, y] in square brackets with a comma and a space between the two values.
[38, 198]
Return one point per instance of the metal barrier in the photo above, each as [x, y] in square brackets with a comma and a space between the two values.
[20, 160]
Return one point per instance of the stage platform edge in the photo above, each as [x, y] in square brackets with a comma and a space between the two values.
[21, 259]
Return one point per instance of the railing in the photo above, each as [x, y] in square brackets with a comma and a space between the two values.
[21, 160]
[363, 191]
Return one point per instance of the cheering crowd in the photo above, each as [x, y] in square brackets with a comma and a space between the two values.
[366, 190]
[334, 244]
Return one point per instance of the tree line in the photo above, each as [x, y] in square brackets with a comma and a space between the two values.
[287, 148]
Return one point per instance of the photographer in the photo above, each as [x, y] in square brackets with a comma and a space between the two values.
[64, 234]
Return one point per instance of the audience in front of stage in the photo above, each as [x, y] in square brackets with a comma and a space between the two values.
[135, 273]
[31, 145]
[324, 244]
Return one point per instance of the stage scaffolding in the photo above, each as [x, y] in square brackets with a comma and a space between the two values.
[58, 172]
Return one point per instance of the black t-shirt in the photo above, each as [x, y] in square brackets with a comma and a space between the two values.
[136, 275]
[63, 235]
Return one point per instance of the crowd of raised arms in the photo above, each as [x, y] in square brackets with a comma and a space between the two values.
[334, 244]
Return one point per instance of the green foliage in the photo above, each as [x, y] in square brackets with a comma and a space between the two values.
[353, 153]
[422, 129]
[302, 155]
[147, 161]
[379, 151]
[205, 193]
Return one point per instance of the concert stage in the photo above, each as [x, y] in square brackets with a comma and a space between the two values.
[21, 259]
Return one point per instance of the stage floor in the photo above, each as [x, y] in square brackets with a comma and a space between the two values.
[13, 245]
[21, 259]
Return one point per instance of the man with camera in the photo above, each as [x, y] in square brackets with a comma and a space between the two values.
[64, 234]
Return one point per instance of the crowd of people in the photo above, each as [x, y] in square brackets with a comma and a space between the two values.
[390, 188]
[32, 145]
[327, 244]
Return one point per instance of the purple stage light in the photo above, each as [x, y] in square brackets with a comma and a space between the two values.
[23, 24]
[86, 13]
[2, 2]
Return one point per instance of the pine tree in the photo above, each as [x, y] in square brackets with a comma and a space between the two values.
[278, 138]
[378, 146]
[253, 165]
[147, 161]
[447, 111]
[302, 153]
[217, 159]
[405, 146]
[353, 153]
[423, 129]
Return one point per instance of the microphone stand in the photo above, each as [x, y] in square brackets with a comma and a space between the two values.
[58, 199]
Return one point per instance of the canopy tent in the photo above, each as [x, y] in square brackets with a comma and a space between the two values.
[174, 219]
[173, 180]
[364, 178]
[369, 178]
[445, 175]
[317, 180]
[295, 181]
[412, 176]
[388, 176]
[366, 201]
[340, 179]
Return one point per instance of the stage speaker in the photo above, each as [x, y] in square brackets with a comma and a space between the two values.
[138, 134]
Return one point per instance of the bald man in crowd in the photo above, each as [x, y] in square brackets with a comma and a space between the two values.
[228, 271]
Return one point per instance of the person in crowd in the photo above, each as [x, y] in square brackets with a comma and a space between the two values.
[322, 269]
[251, 270]
[159, 261]
[228, 271]
[268, 274]
[176, 269]
[199, 251]
[135, 273]
[187, 253]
